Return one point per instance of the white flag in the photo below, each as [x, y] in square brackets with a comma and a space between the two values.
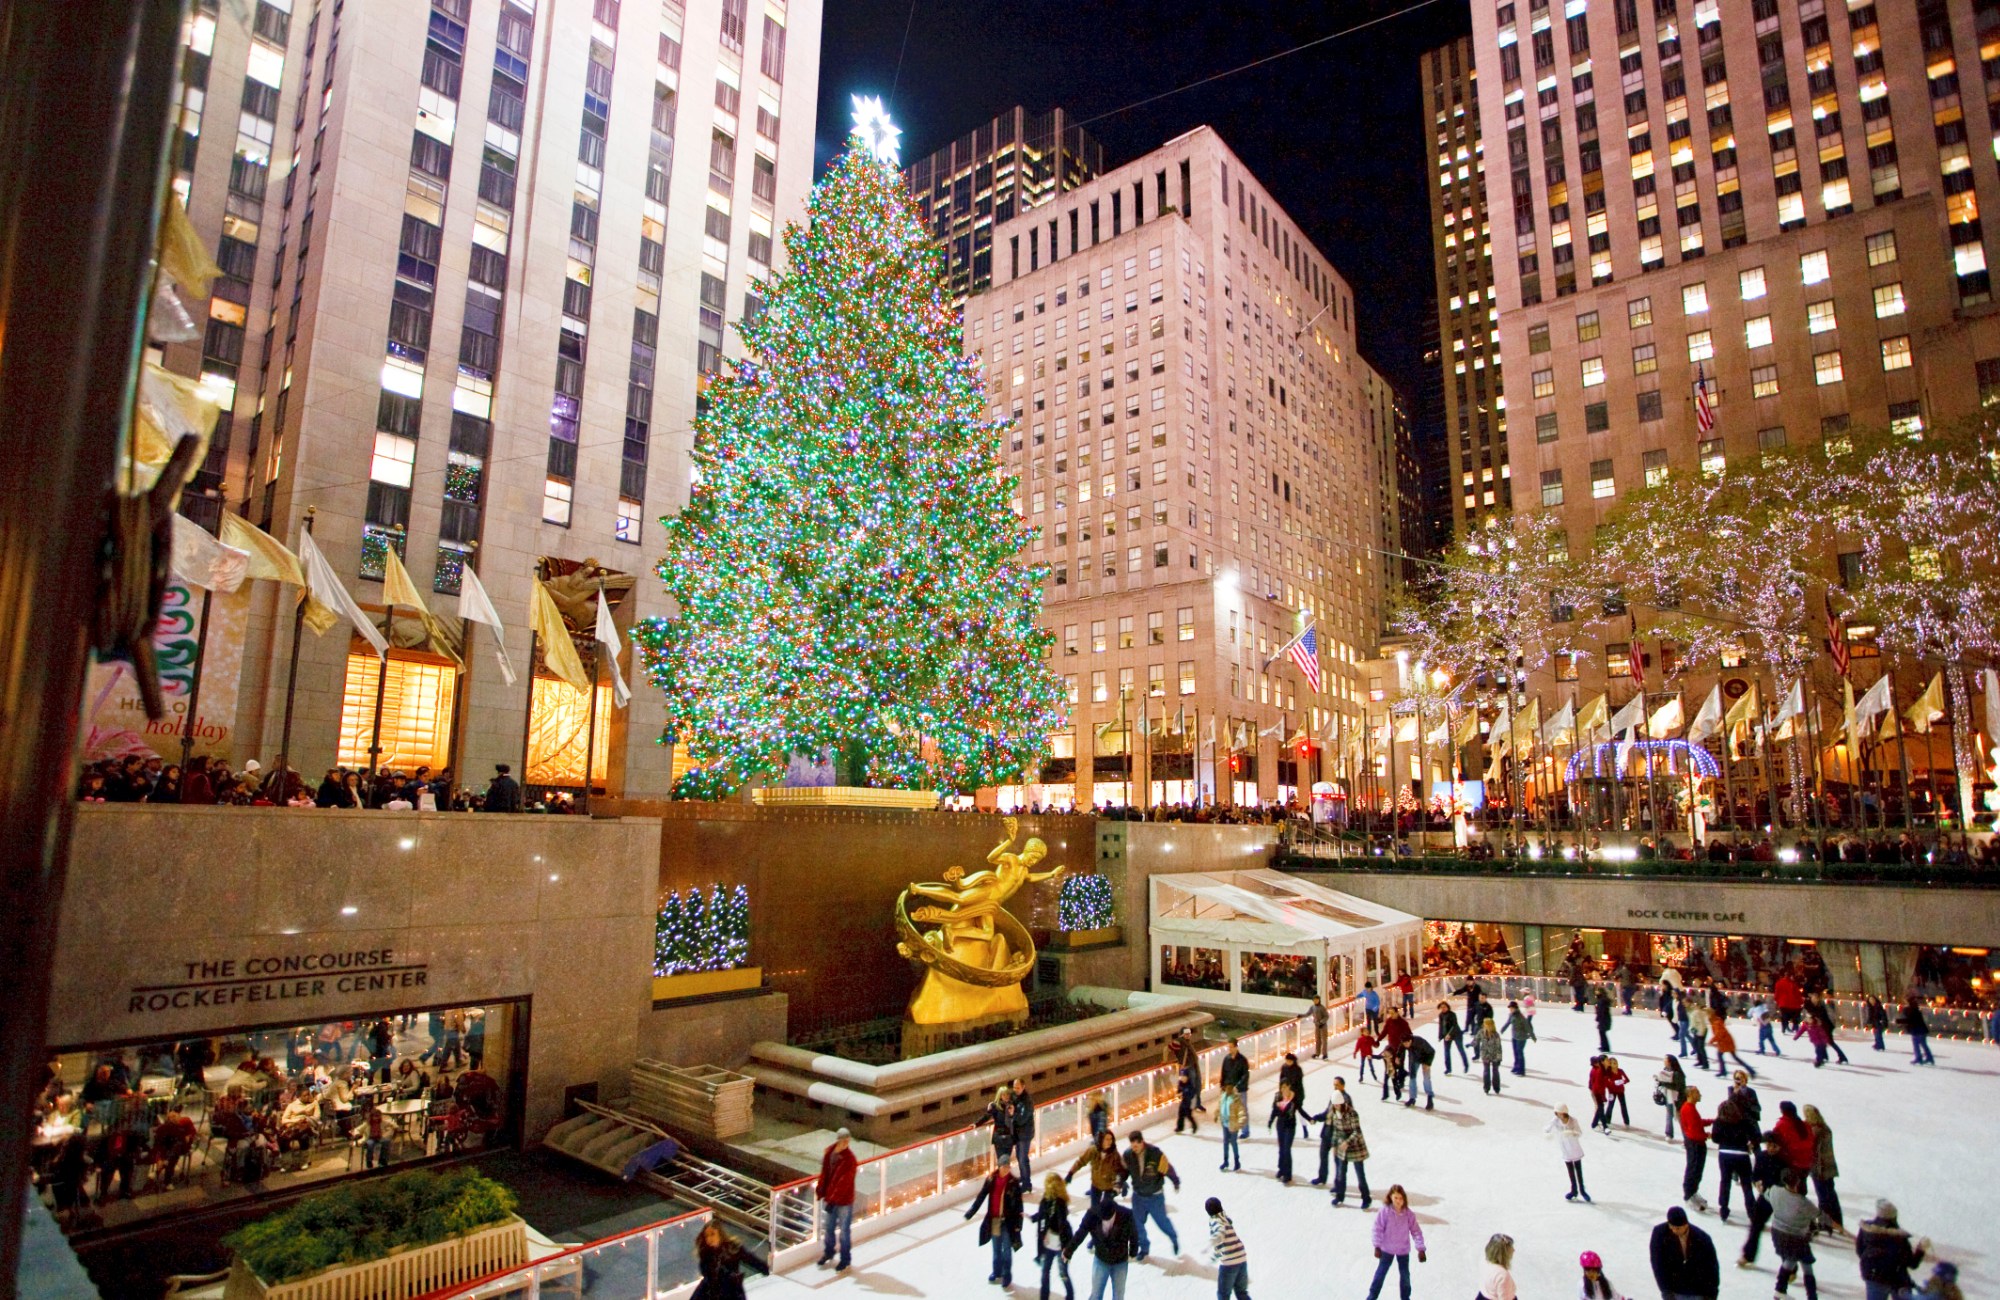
[1875, 700]
[1560, 729]
[1665, 720]
[1629, 716]
[1992, 706]
[201, 561]
[475, 606]
[1500, 736]
[1708, 718]
[1793, 706]
[607, 637]
[325, 587]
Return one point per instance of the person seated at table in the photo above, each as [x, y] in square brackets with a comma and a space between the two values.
[376, 1130]
[410, 1079]
[101, 1085]
[298, 1123]
[173, 1138]
[478, 1099]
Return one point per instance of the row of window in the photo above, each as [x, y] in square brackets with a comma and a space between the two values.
[1156, 631]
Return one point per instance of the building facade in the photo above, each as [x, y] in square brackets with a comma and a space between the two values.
[1192, 437]
[989, 176]
[483, 348]
[1780, 202]
[1479, 482]
[1398, 488]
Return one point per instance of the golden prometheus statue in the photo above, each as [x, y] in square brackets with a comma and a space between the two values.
[978, 954]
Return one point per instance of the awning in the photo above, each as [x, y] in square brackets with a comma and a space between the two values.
[1267, 909]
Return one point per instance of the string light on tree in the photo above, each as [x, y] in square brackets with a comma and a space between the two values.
[847, 572]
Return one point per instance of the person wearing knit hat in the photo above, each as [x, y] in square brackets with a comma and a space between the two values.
[1886, 1254]
[1596, 1286]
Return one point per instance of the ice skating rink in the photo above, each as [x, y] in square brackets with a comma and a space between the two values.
[1924, 1138]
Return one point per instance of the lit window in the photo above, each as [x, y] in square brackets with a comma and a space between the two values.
[1826, 368]
[395, 460]
[556, 501]
[1545, 383]
[1906, 418]
[1888, 300]
[1820, 318]
[1710, 452]
[1764, 381]
[1645, 359]
[1656, 468]
[1882, 248]
[1896, 353]
[1751, 283]
[1587, 327]
[1593, 371]
[1552, 487]
[1187, 677]
[1602, 484]
[1694, 299]
[1757, 332]
[1812, 267]
[1701, 345]
[627, 528]
[1771, 442]
[1184, 620]
[1639, 312]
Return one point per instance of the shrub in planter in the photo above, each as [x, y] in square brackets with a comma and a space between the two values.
[353, 1225]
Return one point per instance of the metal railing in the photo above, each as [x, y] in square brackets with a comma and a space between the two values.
[906, 1182]
[1310, 855]
[1847, 1009]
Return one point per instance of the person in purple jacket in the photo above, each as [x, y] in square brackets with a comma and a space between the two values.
[1396, 1233]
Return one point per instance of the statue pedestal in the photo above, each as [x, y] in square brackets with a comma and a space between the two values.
[922, 1040]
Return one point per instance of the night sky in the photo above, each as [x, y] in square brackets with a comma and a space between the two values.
[1335, 132]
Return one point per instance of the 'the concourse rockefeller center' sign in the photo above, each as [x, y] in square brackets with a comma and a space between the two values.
[248, 981]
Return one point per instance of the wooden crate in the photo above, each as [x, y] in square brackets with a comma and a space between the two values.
[701, 1099]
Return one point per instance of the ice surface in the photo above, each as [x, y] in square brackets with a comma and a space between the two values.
[1926, 1138]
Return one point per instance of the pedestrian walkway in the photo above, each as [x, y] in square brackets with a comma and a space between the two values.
[1479, 1165]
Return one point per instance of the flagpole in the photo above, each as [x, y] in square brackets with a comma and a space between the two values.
[528, 715]
[1816, 812]
[1728, 754]
[381, 681]
[1764, 745]
[292, 673]
[455, 737]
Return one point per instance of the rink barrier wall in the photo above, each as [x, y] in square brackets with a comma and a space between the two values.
[1967, 1023]
[911, 1182]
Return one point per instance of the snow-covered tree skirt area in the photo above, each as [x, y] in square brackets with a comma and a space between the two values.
[1922, 1137]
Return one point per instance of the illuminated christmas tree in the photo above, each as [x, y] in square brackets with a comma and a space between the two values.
[848, 569]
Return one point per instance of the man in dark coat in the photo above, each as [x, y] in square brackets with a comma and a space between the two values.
[504, 794]
[1684, 1265]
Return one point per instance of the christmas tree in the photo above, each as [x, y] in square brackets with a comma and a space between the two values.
[848, 569]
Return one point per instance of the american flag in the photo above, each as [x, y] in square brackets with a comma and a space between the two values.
[1305, 653]
[1638, 649]
[1836, 637]
[1704, 414]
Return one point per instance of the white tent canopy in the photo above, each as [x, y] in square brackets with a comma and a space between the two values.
[1266, 940]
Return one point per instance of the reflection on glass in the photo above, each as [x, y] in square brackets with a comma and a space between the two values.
[147, 1128]
[1281, 975]
[1193, 968]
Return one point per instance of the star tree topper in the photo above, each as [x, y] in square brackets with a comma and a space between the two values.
[872, 124]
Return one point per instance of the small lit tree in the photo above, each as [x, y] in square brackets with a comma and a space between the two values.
[1931, 572]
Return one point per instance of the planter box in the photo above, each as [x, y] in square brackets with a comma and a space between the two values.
[1070, 940]
[706, 983]
[405, 1273]
[845, 796]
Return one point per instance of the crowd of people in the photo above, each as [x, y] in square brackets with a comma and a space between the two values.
[143, 1120]
[1776, 1168]
[147, 778]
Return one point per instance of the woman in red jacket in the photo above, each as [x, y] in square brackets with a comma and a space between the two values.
[1795, 1140]
[1615, 1080]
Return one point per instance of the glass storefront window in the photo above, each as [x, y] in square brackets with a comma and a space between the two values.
[1280, 975]
[140, 1129]
[1193, 968]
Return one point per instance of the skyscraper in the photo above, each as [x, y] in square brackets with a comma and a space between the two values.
[1475, 416]
[468, 302]
[1194, 446]
[989, 176]
[1823, 167]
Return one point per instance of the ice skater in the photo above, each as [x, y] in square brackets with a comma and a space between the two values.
[1113, 1235]
[1234, 1117]
[1364, 1052]
[1596, 1286]
[1232, 1262]
[1876, 1017]
[1793, 1221]
[1107, 1169]
[1000, 1227]
[1734, 1135]
[1053, 1234]
[1318, 1013]
[1615, 1081]
[1487, 1048]
[1819, 1032]
[1569, 1141]
[1396, 1234]
[1519, 1030]
[1694, 1140]
[1419, 1054]
[1147, 1169]
[1497, 1283]
[1919, 1031]
[1762, 1015]
[1371, 1004]
[1451, 1034]
[1669, 1090]
[1285, 1118]
[1349, 1146]
[1824, 1171]
[1190, 1097]
[1603, 1019]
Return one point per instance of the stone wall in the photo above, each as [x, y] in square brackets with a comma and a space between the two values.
[451, 909]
